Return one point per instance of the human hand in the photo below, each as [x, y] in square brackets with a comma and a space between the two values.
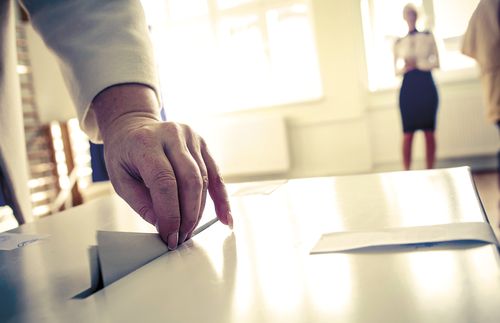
[161, 169]
[410, 64]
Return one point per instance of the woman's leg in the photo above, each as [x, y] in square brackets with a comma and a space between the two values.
[430, 148]
[407, 145]
[498, 171]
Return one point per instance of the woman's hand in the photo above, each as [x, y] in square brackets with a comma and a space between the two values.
[161, 169]
[410, 64]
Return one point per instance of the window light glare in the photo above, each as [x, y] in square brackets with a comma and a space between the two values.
[84, 171]
[58, 144]
[64, 183]
[60, 157]
[62, 169]
[37, 182]
[41, 210]
[55, 130]
[82, 159]
[246, 54]
[22, 69]
[299, 8]
[39, 196]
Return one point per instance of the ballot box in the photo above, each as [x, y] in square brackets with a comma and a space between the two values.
[263, 270]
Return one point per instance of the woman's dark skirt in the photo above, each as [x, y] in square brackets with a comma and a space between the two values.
[418, 101]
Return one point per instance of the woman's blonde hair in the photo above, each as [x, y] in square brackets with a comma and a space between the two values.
[410, 7]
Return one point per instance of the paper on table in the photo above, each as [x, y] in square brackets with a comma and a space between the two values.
[350, 240]
[258, 188]
[10, 241]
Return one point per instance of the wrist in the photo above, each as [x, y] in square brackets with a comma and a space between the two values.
[122, 106]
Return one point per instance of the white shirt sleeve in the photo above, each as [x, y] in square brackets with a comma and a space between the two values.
[398, 62]
[98, 44]
[429, 59]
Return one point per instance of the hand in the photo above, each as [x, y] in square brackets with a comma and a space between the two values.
[161, 169]
[410, 64]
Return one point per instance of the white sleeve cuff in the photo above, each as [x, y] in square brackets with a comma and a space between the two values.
[99, 44]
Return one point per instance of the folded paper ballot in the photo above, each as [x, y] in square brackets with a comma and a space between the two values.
[120, 253]
[351, 240]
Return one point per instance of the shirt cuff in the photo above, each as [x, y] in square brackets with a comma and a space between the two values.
[98, 44]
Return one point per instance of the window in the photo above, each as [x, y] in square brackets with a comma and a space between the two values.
[217, 56]
[383, 24]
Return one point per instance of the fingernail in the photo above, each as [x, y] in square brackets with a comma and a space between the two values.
[172, 240]
[182, 237]
[230, 220]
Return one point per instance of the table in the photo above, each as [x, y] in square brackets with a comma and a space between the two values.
[263, 272]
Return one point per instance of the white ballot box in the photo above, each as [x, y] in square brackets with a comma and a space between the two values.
[264, 270]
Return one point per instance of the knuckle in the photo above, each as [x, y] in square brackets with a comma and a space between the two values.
[173, 128]
[203, 143]
[165, 181]
[205, 182]
[217, 180]
[193, 182]
[186, 128]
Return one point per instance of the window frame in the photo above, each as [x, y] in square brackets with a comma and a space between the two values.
[259, 8]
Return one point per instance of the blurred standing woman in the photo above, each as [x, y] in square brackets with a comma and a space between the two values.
[415, 55]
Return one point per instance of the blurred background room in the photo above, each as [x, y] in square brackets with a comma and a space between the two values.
[279, 89]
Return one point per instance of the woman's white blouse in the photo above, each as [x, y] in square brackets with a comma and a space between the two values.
[418, 46]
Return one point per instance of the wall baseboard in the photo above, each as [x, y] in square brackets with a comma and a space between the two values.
[476, 163]
[486, 163]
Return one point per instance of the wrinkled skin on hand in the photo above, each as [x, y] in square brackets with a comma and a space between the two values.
[163, 170]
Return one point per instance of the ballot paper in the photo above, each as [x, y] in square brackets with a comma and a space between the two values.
[11, 241]
[120, 253]
[352, 240]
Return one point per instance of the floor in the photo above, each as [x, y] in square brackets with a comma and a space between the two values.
[488, 185]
